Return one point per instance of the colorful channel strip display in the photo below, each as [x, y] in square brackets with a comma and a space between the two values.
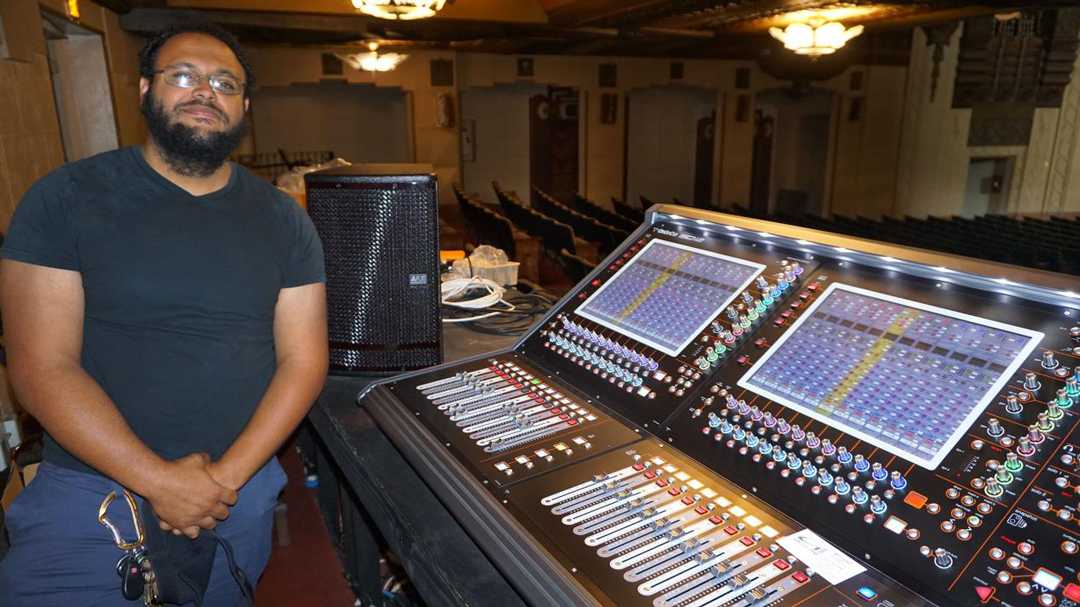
[676, 539]
[668, 293]
[502, 406]
[904, 376]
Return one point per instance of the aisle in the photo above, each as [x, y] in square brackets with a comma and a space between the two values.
[307, 572]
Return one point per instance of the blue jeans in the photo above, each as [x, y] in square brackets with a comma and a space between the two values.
[61, 556]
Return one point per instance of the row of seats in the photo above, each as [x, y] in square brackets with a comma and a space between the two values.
[485, 226]
[1051, 244]
[554, 235]
[605, 236]
[587, 207]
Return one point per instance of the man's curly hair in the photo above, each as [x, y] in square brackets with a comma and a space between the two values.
[148, 54]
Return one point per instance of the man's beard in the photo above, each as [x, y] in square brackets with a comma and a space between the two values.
[186, 150]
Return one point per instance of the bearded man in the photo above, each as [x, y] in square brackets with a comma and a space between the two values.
[165, 323]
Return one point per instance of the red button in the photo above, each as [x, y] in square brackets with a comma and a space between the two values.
[639, 467]
[661, 482]
[674, 491]
[1072, 592]
[688, 500]
[564, 417]
[650, 474]
[572, 422]
[812, 286]
[779, 322]
[747, 541]
[799, 577]
[730, 530]
[701, 510]
[781, 564]
[716, 520]
[764, 553]
[984, 592]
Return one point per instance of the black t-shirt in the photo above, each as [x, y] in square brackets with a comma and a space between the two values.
[180, 291]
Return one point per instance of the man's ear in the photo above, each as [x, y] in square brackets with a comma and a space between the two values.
[247, 104]
[144, 87]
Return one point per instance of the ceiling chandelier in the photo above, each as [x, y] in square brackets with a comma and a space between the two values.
[816, 36]
[372, 61]
[399, 9]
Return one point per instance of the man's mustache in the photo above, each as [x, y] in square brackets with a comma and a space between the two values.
[220, 113]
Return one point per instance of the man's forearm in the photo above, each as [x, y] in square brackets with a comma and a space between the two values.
[292, 391]
[78, 414]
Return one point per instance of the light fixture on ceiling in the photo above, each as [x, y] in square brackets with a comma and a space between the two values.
[816, 36]
[372, 61]
[399, 9]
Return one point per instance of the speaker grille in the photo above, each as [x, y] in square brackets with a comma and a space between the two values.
[380, 237]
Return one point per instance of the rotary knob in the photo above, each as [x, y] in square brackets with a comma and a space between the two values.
[1031, 382]
[1043, 423]
[993, 428]
[1012, 462]
[1035, 435]
[993, 487]
[1072, 386]
[843, 455]
[1063, 399]
[1054, 411]
[1012, 405]
[858, 495]
[897, 480]
[797, 433]
[942, 560]
[812, 440]
[1048, 360]
[1074, 333]
[782, 426]
[827, 448]
[1025, 448]
[861, 464]
[877, 505]
[878, 472]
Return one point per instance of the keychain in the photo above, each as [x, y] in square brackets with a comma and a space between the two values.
[136, 571]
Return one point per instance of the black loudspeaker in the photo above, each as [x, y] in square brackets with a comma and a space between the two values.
[379, 225]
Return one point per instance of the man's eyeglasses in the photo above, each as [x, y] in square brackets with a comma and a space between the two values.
[189, 79]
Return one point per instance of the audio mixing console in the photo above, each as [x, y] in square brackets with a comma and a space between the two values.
[735, 413]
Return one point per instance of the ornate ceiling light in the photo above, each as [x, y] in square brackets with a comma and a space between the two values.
[816, 36]
[372, 61]
[399, 9]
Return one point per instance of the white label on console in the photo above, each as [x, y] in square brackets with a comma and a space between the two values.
[821, 556]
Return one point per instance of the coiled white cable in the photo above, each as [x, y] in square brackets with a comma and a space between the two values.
[455, 287]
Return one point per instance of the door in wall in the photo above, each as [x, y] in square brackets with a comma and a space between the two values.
[553, 142]
[703, 161]
[80, 82]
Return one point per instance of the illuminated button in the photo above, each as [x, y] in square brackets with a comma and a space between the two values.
[866, 594]
[915, 499]
[956, 513]
[1072, 592]
[1025, 548]
[948, 526]
[896, 525]
[912, 534]
[1069, 547]
[952, 493]
[933, 508]
[964, 534]
[1024, 588]
[1047, 579]
[800, 577]
[1013, 562]
[1046, 600]
[1004, 577]
[997, 554]
[974, 521]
